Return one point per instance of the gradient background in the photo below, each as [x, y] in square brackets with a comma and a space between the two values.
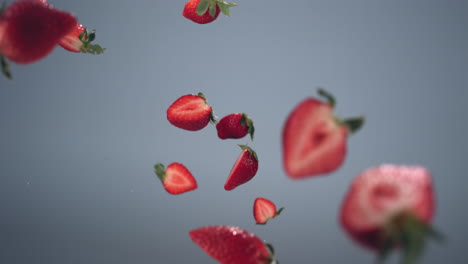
[80, 133]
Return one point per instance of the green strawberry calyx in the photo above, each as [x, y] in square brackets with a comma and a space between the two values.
[5, 67]
[272, 259]
[210, 6]
[409, 233]
[160, 171]
[86, 37]
[276, 214]
[251, 151]
[213, 119]
[247, 121]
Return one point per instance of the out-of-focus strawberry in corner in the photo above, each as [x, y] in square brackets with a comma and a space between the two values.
[391, 207]
[206, 11]
[313, 139]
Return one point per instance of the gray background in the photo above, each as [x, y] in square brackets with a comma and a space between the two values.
[80, 134]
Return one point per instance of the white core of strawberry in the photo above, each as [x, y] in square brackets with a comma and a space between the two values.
[388, 190]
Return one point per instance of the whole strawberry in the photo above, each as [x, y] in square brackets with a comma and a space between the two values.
[176, 178]
[244, 168]
[390, 207]
[232, 245]
[235, 126]
[79, 40]
[190, 112]
[313, 139]
[205, 11]
[30, 29]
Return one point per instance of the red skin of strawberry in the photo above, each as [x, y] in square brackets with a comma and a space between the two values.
[380, 193]
[176, 178]
[190, 112]
[231, 127]
[30, 29]
[244, 169]
[231, 245]
[190, 12]
[313, 142]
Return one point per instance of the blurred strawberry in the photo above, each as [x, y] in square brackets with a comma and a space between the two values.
[264, 210]
[314, 140]
[79, 40]
[232, 245]
[176, 179]
[244, 168]
[205, 11]
[190, 112]
[235, 126]
[389, 207]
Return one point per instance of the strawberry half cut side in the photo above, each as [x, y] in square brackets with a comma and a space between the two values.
[176, 179]
[79, 40]
[232, 245]
[264, 210]
[190, 112]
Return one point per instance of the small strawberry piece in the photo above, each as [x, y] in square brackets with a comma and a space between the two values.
[190, 112]
[313, 140]
[235, 126]
[176, 179]
[244, 169]
[30, 29]
[79, 40]
[232, 245]
[205, 11]
[264, 210]
[390, 207]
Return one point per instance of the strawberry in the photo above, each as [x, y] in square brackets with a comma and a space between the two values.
[313, 140]
[176, 179]
[30, 29]
[244, 169]
[79, 40]
[264, 210]
[235, 126]
[232, 245]
[190, 112]
[205, 11]
[390, 206]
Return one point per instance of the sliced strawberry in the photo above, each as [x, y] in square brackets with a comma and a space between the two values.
[205, 11]
[264, 210]
[79, 40]
[314, 141]
[176, 179]
[235, 126]
[190, 112]
[29, 30]
[244, 168]
[232, 245]
[390, 207]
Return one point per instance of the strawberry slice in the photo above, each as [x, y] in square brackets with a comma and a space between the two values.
[264, 210]
[30, 29]
[390, 207]
[190, 112]
[206, 11]
[79, 40]
[176, 179]
[244, 168]
[235, 126]
[232, 245]
[313, 139]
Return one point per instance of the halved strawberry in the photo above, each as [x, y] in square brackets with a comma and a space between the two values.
[205, 11]
[176, 179]
[30, 29]
[235, 126]
[244, 168]
[79, 40]
[314, 140]
[390, 207]
[232, 245]
[264, 210]
[190, 112]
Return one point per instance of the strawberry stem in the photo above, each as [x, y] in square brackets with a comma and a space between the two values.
[247, 121]
[5, 68]
[160, 171]
[328, 96]
[353, 124]
[251, 151]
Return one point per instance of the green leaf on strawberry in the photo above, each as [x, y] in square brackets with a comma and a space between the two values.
[5, 68]
[224, 6]
[86, 38]
[213, 9]
[203, 7]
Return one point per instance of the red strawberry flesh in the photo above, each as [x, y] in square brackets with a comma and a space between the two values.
[190, 112]
[264, 210]
[176, 179]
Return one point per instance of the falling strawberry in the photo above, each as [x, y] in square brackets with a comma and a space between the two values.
[29, 31]
[264, 210]
[244, 169]
[190, 112]
[235, 126]
[206, 11]
[176, 179]
[390, 207]
[79, 40]
[314, 140]
[232, 245]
